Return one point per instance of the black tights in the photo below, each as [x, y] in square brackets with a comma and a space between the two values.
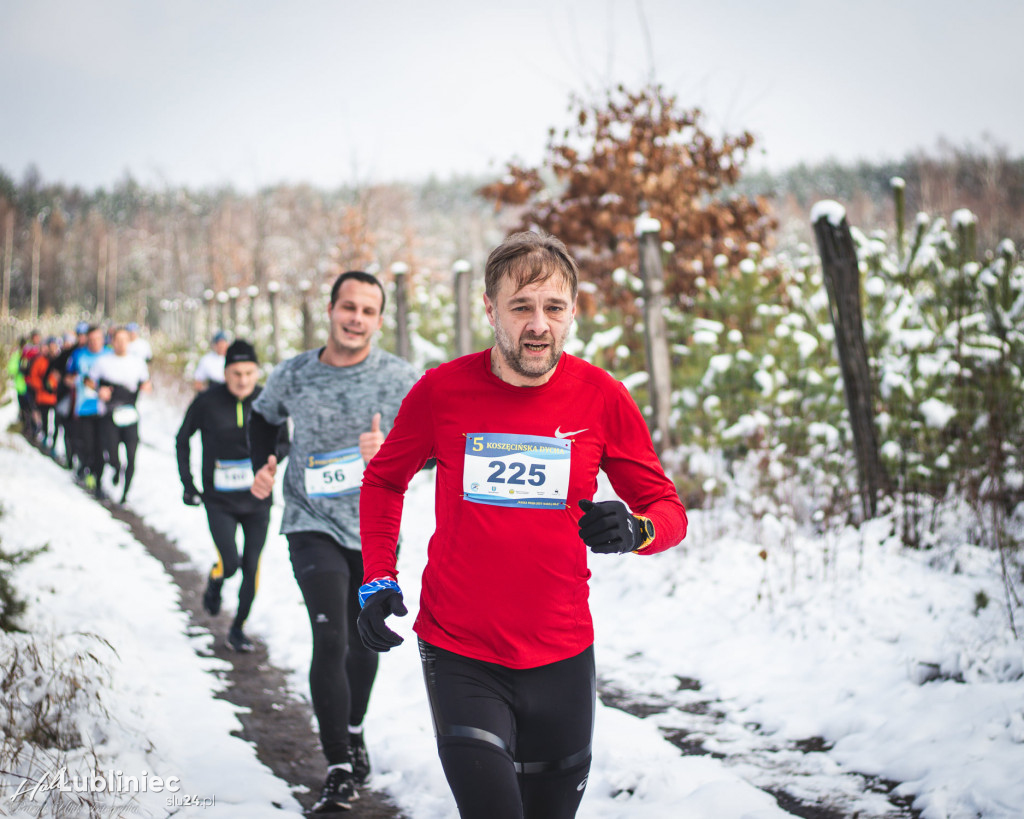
[89, 444]
[223, 526]
[514, 743]
[342, 670]
[48, 426]
[112, 437]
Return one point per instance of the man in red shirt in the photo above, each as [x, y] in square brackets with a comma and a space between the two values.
[519, 433]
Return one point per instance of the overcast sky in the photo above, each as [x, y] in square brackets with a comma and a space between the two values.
[253, 92]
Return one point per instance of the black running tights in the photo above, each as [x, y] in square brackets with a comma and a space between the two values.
[89, 444]
[514, 743]
[342, 670]
[223, 527]
[113, 436]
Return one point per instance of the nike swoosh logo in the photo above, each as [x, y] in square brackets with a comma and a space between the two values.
[560, 434]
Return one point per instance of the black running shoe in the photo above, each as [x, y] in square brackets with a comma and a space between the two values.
[338, 793]
[238, 641]
[359, 758]
[211, 597]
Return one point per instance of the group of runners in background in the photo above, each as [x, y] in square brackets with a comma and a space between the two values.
[77, 397]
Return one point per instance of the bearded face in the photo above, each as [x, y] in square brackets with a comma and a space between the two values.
[531, 326]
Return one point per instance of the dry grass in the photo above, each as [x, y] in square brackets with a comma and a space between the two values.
[53, 715]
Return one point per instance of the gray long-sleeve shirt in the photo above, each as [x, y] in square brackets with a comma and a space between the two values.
[330, 407]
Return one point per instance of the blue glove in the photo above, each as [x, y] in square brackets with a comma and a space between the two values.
[378, 599]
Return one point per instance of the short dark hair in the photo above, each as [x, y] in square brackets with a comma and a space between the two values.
[527, 258]
[359, 276]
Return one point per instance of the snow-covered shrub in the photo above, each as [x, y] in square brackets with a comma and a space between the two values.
[53, 718]
[49, 684]
[944, 334]
[757, 380]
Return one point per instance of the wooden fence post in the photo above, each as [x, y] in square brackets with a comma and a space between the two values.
[110, 296]
[275, 335]
[211, 316]
[37, 250]
[899, 194]
[222, 311]
[403, 345]
[177, 315]
[101, 277]
[655, 332]
[463, 321]
[308, 340]
[192, 305]
[233, 294]
[5, 292]
[252, 292]
[841, 272]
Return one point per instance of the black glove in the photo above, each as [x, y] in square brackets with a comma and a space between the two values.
[376, 607]
[192, 497]
[609, 528]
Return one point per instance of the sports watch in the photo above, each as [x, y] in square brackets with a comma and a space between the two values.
[646, 532]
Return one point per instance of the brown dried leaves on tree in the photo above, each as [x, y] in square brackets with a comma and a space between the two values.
[634, 152]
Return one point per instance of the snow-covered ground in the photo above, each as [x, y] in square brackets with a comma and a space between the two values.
[883, 654]
[102, 607]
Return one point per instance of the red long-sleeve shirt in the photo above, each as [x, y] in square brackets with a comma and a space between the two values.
[508, 583]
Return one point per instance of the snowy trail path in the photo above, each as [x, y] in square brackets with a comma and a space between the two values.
[831, 658]
[798, 773]
[274, 719]
[148, 703]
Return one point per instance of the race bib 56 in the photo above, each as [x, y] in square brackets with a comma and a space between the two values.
[331, 474]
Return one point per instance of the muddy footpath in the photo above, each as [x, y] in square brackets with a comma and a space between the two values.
[277, 722]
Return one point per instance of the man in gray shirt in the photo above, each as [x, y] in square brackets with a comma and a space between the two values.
[342, 399]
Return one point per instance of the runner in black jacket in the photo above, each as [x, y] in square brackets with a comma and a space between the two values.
[221, 416]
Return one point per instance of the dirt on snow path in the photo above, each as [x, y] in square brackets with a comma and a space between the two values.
[277, 722]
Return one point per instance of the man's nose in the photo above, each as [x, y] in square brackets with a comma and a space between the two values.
[538, 323]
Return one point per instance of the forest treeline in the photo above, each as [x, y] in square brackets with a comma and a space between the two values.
[119, 252]
[984, 179]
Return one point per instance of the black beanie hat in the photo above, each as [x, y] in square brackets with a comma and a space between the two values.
[240, 351]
